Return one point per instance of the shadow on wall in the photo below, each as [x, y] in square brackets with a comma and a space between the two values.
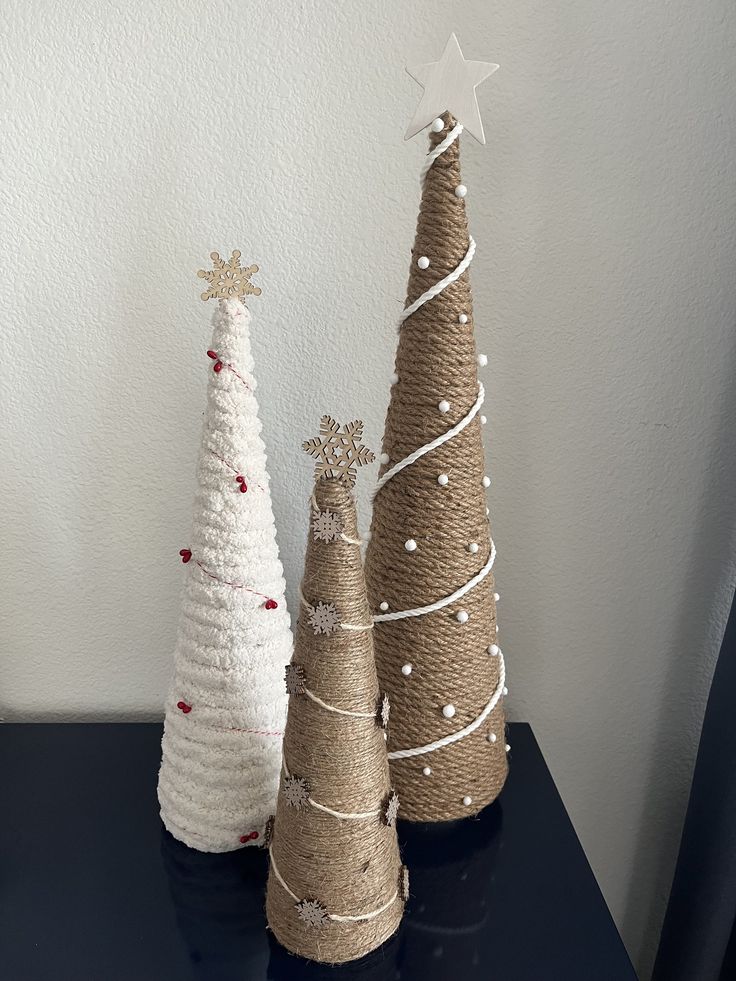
[708, 561]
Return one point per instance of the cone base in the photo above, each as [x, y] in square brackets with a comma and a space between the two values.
[421, 803]
[334, 943]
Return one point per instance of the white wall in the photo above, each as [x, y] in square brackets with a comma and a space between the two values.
[137, 137]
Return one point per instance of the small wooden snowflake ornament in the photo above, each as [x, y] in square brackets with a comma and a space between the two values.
[384, 712]
[404, 883]
[323, 618]
[228, 279]
[391, 811]
[339, 450]
[296, 792]
[326, 526]
[295, 679]
[268, 832]
[312, 912]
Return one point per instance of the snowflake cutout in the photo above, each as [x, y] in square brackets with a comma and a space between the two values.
[384, 711]
[339, 450]
[296, 792]
[324, 618]
[404, 883]
[327, 526]
[312, 912]
[268, 832]
[391, 811]
[228, 279]
[294, 679]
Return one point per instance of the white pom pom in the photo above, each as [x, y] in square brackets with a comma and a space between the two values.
[383, 606]
[410, 545]
[496, 628]
[461, 616]
[505, 690]
[482, 360]
[486, 481]
[437, 125]
[483, 420]
[394, 379]
[426, 771]
[384, 458]
[467, 800]
[497, 597]
[460, 191]
[508, 748]
[463, 318]
[448, 711]
[493, 650]
[443, 406]
[473, 547]
[406, 670]
[423, 262]
[443, 480]
[491, 737]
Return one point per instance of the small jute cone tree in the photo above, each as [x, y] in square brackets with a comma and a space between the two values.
[226, 707]
[336, 887]
[430, 555]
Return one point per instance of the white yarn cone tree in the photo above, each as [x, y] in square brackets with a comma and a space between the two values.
[226, 708]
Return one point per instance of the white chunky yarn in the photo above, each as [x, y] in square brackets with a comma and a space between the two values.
[220, 770]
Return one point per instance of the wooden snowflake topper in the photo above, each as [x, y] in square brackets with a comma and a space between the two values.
[339, 450]
[228, 279]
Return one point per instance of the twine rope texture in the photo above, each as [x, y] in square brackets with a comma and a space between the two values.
[442, 284]
[341, 754]
[357, 816]
[403, 754]
[343, 536]
[343, 626]
[334, 708]
[337, 917]
[446, 600]
[438, 230]
[439, 441]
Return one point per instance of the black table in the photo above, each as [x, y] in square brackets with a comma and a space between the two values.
[93, 889]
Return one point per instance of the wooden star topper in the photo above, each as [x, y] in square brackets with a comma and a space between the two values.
[449, 85]
[338, 450]
[228, 279]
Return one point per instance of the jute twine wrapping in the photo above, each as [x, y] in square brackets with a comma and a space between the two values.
[350, 866]
[436, 360]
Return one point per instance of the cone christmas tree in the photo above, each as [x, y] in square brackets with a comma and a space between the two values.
[430, 557]
[226, 707]
[336, 887]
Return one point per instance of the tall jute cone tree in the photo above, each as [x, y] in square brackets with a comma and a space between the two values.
[430, 557]
[336, 888]
[226, 707]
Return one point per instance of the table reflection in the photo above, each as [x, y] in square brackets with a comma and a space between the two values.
[446, 932]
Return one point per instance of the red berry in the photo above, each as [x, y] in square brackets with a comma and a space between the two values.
[243, 487]
[186, 554]
[271, 604]
[217, 367]
[186, 709]
[212, 354]
[240, 479]
[253, 835]
[244, 838]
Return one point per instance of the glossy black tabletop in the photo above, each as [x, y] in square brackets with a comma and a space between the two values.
[93, 889]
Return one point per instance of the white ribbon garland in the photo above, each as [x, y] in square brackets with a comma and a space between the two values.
[428, 447]
[403, 754]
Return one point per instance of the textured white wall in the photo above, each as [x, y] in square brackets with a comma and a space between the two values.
[137, 137]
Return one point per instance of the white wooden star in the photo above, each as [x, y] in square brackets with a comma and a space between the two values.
[449, 85]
